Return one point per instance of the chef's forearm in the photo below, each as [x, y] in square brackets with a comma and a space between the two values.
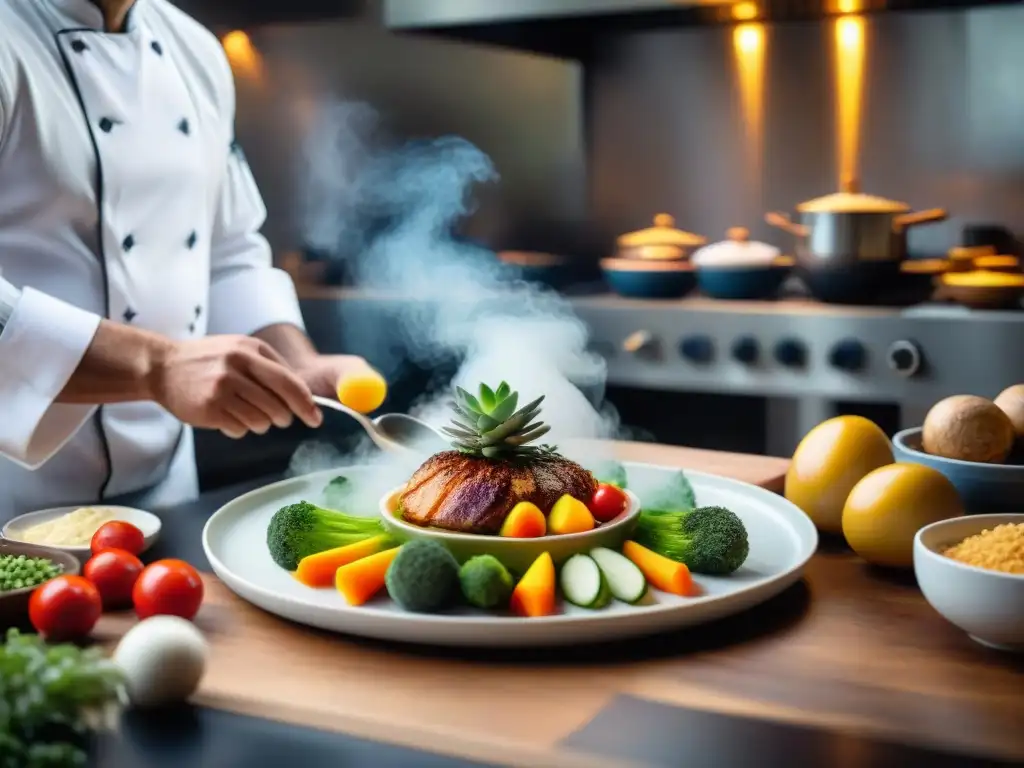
[119, 366]
[290, 342]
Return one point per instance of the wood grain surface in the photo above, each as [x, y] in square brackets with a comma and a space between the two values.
[495, 713]
[766, 471]
[855, 649]
[848, 648]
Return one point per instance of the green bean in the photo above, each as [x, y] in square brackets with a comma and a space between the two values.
[21, 572]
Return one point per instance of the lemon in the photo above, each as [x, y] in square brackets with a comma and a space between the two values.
[829, 461]
[890, 505]
[362, 390]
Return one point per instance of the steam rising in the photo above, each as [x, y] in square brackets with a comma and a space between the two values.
[391, 213]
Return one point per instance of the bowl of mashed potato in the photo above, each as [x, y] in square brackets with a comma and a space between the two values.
[70, 529]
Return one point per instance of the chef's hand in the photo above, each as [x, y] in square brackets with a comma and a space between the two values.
[236, 384]
[321, 373]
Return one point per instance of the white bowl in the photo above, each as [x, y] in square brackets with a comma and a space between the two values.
[146, 522]
[987, 605]
[516, 554]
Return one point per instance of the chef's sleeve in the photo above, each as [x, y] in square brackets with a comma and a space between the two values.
[247, 293]
[42, 343]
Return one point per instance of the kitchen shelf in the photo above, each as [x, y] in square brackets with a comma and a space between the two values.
[572, 28]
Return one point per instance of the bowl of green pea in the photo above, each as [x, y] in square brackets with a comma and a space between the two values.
[23, 567]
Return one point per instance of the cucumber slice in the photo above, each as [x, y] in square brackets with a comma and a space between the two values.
[583, 584]
[625, 580]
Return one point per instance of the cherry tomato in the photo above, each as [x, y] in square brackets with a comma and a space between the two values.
[65, 608]
[114, 572]
[117, 534]
[168, 587]
[607, 503]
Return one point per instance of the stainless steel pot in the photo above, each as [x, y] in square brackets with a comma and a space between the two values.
[848, 228]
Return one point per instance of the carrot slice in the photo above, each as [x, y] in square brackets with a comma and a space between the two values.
[361, 580]
[534, 595]
[318, 570]
[661, 572]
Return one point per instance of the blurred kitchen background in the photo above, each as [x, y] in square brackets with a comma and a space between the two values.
[601, 114]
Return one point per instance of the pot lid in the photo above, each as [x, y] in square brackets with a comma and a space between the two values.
[850, 200]
[736, 250]
[663, 232]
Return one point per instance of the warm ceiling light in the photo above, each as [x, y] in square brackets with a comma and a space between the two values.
[749, 43]
[749, 38]
[851, 33]
[236, 43]
[849, 6]
[745, 11]
[242, 54]
[850, 62]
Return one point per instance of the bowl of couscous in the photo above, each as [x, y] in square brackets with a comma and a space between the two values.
[971, 570]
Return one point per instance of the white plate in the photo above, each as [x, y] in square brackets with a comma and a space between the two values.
[782, 540]
[146, 522]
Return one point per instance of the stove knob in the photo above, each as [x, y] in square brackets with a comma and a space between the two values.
[791, 353]
[639, 343]
[848, 355]
[746, 350]
[905, 358]
[698, 349]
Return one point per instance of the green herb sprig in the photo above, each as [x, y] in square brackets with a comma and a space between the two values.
[52, 698]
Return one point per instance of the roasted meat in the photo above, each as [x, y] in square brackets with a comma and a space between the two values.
[472, 494]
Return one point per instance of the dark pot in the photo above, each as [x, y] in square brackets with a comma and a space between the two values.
[640, 279]
[742, 283]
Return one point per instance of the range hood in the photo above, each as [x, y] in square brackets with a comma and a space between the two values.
[245, 14]
[570, 27]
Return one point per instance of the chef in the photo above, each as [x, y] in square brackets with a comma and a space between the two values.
[137, 297]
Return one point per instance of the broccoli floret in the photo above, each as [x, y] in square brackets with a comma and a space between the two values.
[675, 494]
[486, 583]
[423, 577]
[302, 529]
[338, 492]
[709, 540]
[611, 472]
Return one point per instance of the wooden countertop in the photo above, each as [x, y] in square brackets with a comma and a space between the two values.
[848, 648]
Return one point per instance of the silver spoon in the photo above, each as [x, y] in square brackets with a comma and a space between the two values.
[391, 431]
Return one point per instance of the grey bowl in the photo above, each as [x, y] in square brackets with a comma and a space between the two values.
[984, 488]
[14, 603]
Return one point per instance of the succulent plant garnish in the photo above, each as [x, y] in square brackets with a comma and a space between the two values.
[488, 425]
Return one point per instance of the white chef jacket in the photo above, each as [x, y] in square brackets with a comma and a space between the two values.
[122, 195]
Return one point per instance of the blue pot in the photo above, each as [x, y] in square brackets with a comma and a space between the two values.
[542, 268]
[740, 283]
[984, 488]
[640, 279]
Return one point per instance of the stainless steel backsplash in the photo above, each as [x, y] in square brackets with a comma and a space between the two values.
[942, 124]
[523, 110]
[943, 121]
